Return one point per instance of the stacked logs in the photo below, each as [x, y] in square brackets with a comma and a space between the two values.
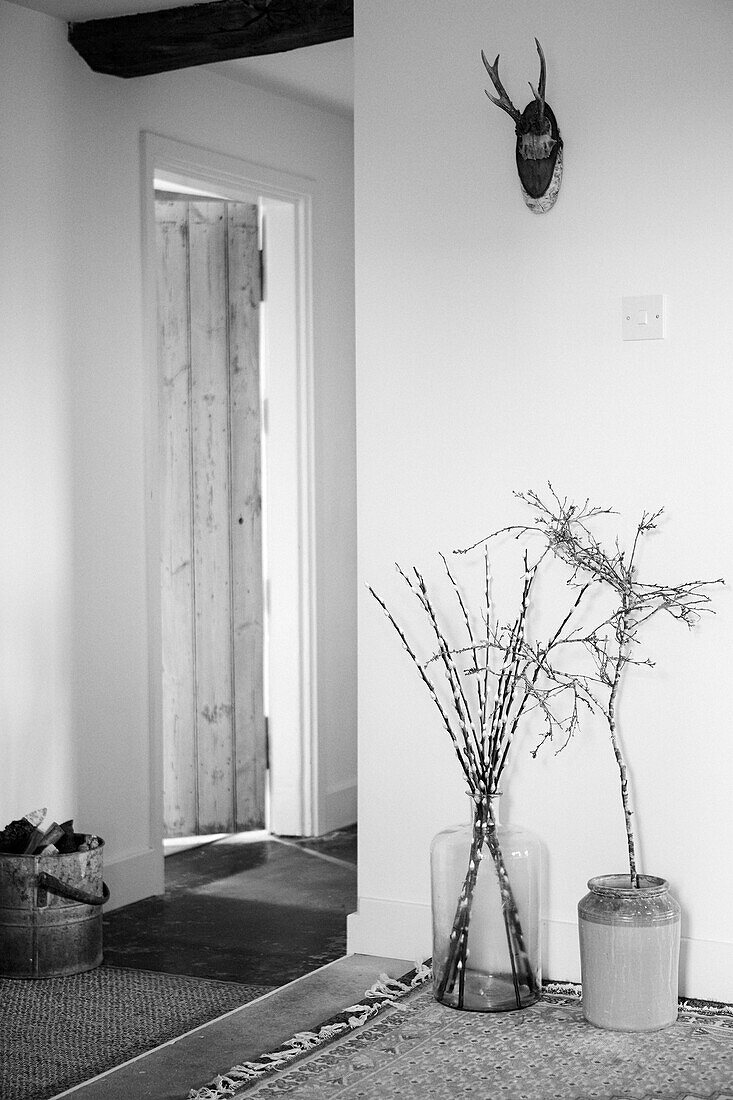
[26, 836]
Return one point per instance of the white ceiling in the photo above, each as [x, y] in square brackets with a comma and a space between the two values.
[321, 75]
[79, 10]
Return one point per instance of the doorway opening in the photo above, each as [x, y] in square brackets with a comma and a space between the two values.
[282, 204]
[249, 907]
[209, 292]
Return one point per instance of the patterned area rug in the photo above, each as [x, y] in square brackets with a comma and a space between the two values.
[411, 1048]
[57, 1032]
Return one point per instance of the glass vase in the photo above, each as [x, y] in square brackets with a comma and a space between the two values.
[485, 882]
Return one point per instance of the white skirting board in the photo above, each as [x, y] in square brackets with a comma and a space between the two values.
[403, 930]
[134, 877]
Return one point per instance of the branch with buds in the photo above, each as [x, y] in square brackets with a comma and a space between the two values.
[483, 691]
[565, 531]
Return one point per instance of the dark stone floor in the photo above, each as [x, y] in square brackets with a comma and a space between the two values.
[262, 911]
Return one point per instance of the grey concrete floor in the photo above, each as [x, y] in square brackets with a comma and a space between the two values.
[170, 1071]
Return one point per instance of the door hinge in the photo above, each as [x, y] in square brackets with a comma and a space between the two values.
[267, 743]
[262, 274]
[263, 246]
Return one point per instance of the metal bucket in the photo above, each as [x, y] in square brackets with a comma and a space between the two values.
[51, 913]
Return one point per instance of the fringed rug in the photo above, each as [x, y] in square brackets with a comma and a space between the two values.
[57, 1032]
[399, 1044]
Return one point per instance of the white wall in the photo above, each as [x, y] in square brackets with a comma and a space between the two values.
[75, 717]
[489, 359]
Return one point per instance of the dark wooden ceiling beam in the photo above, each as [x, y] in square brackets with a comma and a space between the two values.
[176, 38]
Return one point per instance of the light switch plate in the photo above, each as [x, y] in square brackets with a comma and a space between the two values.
[643, 318]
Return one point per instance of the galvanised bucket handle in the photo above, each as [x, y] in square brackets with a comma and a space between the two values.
[48, 883]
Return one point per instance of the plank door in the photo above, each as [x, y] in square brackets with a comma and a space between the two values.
[208, 287]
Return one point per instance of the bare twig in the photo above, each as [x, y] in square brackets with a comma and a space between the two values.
[565, 531]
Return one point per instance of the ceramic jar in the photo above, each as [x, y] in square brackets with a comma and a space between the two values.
[629, 953]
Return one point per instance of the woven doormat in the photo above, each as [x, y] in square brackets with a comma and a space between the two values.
[57, 1032]
[409, 1047]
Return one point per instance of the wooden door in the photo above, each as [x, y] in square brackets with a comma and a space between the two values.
[208, 285]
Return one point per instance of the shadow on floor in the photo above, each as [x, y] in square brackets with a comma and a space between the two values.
[262, 911]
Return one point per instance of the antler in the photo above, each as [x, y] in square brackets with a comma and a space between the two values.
[504, 101]
[539, 96]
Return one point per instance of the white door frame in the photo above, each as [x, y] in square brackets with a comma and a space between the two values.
[288, 468]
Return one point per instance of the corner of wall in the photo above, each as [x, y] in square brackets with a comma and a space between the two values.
[135, 877]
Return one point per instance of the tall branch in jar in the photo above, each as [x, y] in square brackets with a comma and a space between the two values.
[612, 643]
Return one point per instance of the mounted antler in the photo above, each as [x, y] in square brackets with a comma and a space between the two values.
[540, 96]
[503, 101]
[539, 145]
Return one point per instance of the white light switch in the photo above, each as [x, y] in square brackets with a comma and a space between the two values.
[643, 318]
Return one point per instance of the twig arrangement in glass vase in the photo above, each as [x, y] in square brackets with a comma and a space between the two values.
[497, 677]
[612, 643]
[484, 688]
